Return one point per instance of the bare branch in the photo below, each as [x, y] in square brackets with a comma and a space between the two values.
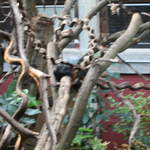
[58, 112]
[134, 129]
[137, 39]
[113, 37]
[5, 19]
[19, 29]
[17, 125]
[2, 80]
[5, 35]
[64, 42]
[46, 109]
[90, 79]
[23, 60]
[51, 53]
[124, 85]
[67, 7]
[96, 9]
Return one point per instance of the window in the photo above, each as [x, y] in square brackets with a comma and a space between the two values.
[6, 23]
[72, 52]
[120, 22]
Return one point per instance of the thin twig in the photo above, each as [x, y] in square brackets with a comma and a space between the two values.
[5, 19]
[130, 66]
[123, 85]
[2, 80]
[46, 109]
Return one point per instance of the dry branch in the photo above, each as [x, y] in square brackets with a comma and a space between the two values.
[124, 85]
[51, 54]
[58, 112]
[5, 35]
[67, 7]
[19, 127]
[43, 89]
[96, 9]
[64, 42]
[37, 75]
[89, 81]
[113, 37]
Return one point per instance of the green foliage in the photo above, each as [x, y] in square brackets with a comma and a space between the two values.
[114, 75]
[86, 140]
[95, 110]
[126, 119]
[10, 102]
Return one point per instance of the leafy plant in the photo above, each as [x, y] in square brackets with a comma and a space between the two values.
[125, 122]
[86, 140]
[10, 102]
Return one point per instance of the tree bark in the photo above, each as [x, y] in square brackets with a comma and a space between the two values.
[95, 71]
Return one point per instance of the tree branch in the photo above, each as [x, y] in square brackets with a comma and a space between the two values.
[46, 109]
[113, 37]
[90, 79]
[64, 42]
[67, 7]
[17, 125]
[124, 85]
[58, 112]
[5, 35]
[96, 9]
[51, 53]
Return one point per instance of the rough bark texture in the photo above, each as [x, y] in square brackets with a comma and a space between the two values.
[91, 77]
[58, 111]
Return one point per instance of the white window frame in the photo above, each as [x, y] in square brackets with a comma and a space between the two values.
[139, 58]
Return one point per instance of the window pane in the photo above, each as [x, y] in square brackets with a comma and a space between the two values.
[121, 21]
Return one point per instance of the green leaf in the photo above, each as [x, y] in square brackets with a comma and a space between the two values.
[85, 130]
[11, 88]
[31, 112]
[100, 117]
[26, 91]
[27, 120]
[2, 100]
[85, 117]
[11, 109]
[33, 102]
[98, 145]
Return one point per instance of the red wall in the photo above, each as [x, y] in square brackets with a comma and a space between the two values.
[110, 135]
[4, 85]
